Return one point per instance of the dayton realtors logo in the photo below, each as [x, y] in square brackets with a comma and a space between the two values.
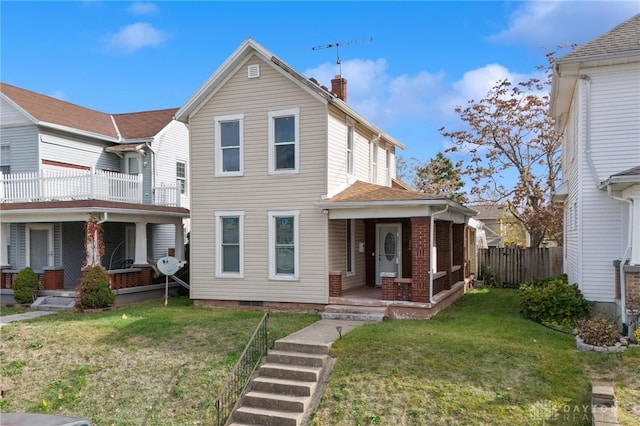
[544, 411]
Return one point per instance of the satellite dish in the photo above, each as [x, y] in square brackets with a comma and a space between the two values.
[169, 265]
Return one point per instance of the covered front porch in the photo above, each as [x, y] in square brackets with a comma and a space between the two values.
[49, 237]
[407, 251]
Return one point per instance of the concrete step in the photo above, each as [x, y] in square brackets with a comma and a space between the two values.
[292, 346]
[290, 372]
[54, 303]
[354, 313]
[283, 386]
[271, 401]
[296, 358]
[257, 416]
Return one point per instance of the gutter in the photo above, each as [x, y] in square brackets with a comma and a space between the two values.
[623, 297]
[431, 231]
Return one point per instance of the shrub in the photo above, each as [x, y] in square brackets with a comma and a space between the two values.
[543, 282]
[553, 301]
[637, 334]
[488, 276]
[95, 289]
[25, 286]
[599, 331]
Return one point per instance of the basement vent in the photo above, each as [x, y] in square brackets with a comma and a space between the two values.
[250, 303]
[253, 71]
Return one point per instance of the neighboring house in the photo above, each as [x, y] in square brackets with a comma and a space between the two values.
[61, 163]
[596, 104]
[294, 197]
[501, 228]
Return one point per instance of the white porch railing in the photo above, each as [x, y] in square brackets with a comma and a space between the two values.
[47, 185]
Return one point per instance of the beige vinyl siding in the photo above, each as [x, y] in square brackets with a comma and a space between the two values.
[338, 253]
[257, 193]
[337, 156]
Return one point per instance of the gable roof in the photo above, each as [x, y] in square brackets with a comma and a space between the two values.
[146, 124]
[47, 110]
[250, 47]
[621, 40]
[620, 45]
[51, 112]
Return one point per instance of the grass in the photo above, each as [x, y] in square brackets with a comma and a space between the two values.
[143, 364]
[477, 363]
[10, 310]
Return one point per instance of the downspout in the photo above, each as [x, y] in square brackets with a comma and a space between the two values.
[153, 172]
[587, 136]
[105, 217]
[623, 297]
[431, 230]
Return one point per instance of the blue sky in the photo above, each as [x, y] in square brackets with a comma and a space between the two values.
[423, 58]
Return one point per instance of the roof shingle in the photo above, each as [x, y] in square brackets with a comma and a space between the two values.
[363, 191]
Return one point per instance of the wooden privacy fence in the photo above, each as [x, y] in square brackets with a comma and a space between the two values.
[513, 266]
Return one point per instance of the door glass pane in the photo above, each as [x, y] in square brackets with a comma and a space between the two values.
[38, 249]
[390, 246]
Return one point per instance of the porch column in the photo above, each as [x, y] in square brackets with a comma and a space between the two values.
[444, 249]
[179, 241]
[141, 243]
[4, 242]
[634, 194]
[420, 257]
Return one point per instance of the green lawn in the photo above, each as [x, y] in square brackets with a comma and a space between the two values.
[477, 363]
[10, 310]
[141, 364]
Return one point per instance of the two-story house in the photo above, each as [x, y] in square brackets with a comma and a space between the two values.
[596, 104]
[61, 163]
[295, 201]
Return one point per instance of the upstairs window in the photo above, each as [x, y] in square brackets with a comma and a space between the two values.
[132, 164]
[350, 149]
[387, 169]
[374, 162]
[283, 141]
[5, 159]
[229, 141]
[181, 176]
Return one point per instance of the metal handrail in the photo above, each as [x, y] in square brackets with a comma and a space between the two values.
[238, 379]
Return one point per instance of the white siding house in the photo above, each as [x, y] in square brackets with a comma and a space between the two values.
[62, 163]
[596, 104]
[290, 191]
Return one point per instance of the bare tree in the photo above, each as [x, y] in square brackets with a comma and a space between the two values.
[511, 137]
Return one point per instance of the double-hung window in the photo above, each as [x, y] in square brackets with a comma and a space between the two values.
[374, 162]
[229, 244]
[350, 149]
[284, 143]
[283, 245]
[181, 175]
[229, 141]
[5, 158]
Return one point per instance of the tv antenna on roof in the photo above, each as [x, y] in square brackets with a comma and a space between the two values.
[341, 43]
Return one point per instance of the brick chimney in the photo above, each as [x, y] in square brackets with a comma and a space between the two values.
[339, 87]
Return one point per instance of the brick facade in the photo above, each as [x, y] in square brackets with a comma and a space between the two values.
[54, 279]
[444, 249]
[632, 286]
[335, 284]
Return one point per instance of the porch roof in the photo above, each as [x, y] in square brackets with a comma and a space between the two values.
[65, 211]
[363, 199]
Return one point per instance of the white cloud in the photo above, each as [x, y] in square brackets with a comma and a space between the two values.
[143, 8]
[134, 37]
[547, 24]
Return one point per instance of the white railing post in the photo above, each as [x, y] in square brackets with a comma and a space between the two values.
[177, 192]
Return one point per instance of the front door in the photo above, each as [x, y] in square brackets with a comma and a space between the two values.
[39, 246]
[388, 249]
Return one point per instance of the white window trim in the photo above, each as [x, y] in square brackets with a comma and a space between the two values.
[219, 216]
[218, 172]
[184, 179]
[40, 226]
[351, 250]
[271, 157]
[350, 152]
[135, 155]
[272, 215]
[374, 163]
[387, 167]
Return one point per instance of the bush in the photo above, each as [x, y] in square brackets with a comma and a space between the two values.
[599, 331]
[488, 276]
[95, 289]
[25, 286]
[553, 301]
[637, 334]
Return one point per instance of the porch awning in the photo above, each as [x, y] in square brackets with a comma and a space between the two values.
[623, 180]
[364, 200]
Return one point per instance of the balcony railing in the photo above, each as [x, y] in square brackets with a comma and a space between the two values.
[47, 185]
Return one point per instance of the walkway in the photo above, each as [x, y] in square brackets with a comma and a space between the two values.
[6, 319]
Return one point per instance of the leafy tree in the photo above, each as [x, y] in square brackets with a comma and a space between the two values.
[440, 177]
[510, 132]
